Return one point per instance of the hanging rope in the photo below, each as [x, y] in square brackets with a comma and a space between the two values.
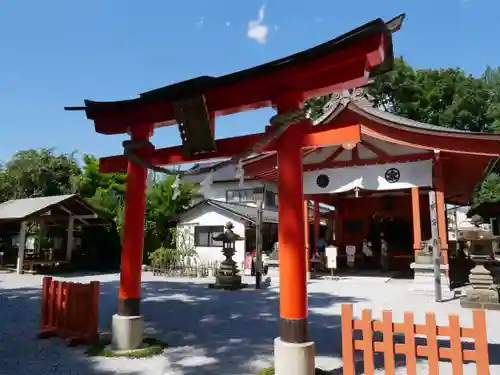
[279, 123]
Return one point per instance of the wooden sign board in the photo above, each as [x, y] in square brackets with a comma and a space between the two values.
[331, 257]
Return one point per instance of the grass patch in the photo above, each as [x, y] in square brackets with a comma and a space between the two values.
[270, 371]
[153, 347]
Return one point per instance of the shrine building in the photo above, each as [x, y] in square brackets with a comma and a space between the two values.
[381, 183]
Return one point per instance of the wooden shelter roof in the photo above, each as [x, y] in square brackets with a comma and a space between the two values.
[52, 208]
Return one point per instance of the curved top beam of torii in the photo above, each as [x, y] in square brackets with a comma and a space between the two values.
[343, 69]
[342, 62]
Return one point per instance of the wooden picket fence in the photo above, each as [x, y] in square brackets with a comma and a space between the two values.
[410, 348]
[70, 311]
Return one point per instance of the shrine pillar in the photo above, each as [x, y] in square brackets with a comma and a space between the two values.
[293, 352]
[307, 238]
[127, 324]
[316, 225]
[338, 225]
[417, 228]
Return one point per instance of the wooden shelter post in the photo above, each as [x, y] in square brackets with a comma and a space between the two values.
[293, 293]
[70, 239]
[417, 228]
[21, 246]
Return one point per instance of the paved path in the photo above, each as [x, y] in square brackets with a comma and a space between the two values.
[210, 332]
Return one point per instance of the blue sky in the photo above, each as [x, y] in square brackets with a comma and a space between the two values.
[57, 53]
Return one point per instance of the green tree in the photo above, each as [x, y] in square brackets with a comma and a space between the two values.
[107, 192]
[445, 97]
[91, 180]
[38, 173]
[489, 191]
[162, 207]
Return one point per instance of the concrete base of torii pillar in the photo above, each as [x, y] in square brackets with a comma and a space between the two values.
[294, 358]
[127, 332]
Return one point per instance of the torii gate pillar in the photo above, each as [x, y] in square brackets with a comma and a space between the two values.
[293, 352]
[128, 323]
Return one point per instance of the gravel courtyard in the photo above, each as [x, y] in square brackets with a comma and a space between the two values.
[208, 331]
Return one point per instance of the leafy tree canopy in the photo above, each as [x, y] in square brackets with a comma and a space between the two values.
[38, 173]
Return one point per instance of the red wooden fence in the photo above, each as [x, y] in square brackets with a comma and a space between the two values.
[70, 310]
[455, 353]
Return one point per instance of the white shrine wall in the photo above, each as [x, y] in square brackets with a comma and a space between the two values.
[369, 177]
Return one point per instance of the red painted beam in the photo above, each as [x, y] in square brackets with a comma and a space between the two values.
[229, 147]
[355, 155]
[332, 133]
[334, 155]
[226, 148]
[376, 150]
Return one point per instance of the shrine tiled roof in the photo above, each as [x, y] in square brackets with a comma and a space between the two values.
[360, 102]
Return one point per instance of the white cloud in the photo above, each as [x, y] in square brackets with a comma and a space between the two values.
[228, 23]
[257, 30]
[200, 23]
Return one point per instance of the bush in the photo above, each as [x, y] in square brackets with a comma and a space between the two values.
[164, 256]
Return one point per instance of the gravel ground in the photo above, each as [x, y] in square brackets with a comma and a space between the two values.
[209, 332]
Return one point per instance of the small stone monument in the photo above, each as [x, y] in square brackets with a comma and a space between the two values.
[482, 292]
[423, 273]
[227, 276]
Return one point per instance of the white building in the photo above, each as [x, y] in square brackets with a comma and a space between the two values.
[226, 201]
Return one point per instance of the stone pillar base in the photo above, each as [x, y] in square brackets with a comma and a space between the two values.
[293, 358]
[423, 280]
[127, 332]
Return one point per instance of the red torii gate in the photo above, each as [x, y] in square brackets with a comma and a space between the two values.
[345, 62]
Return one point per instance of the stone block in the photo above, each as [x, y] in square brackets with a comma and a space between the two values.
[423, 280]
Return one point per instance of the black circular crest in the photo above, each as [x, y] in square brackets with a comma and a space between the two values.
[322, 181]
[392, 175]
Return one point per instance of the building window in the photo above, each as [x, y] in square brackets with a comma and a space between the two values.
[203, 235]
[271, 199]
[242, 195]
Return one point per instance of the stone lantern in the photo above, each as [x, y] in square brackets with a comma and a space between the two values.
[482, 292]
[227, 276]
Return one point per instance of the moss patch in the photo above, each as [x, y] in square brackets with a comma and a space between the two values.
[153, 347]
[270, 371]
